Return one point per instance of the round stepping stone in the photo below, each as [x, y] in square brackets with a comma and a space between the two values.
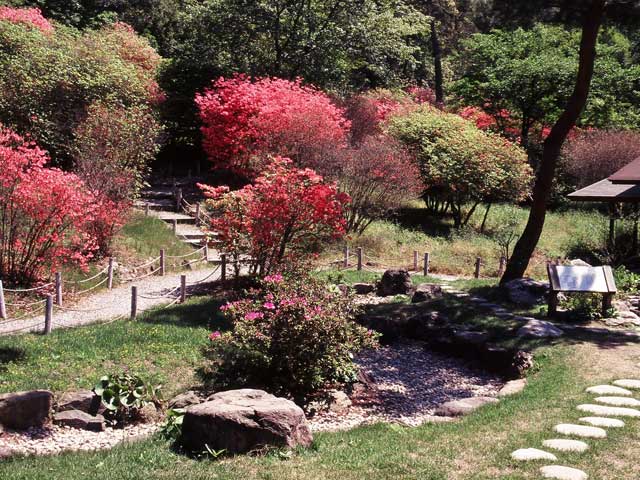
[580, 431]
[619, 401]
[627, 383]
[559, 472]
[526, 454]
[609, 390]
[603, 422]
[565, 445]
[604, 411]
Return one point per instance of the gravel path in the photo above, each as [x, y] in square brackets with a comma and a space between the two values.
[410, 383]
[108, 304]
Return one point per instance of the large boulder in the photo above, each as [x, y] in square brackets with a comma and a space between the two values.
[84, 400]
[426, 292]
[79, 419]
[526, 291]
[239, 421]
[395, 282]
[21, 410]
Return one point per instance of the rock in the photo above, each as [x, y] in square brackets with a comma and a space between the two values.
[619, 401]
[526, 454]
[22, 410]
[627, 383]
[185, 399]
[565, 445]
[363, 288]
[513, 387]
[338, 401]
[395, 282]
[149, 413]
[239, 421]
[525, 291]
[79, 419]
[539, 329]
[426, 292]
[603, 422]
[521, 363]
[579, 263]
[476, 338]
[603, 411]
[558, 472]
[83, 400]
[580, 431]
[609, 390]
[465, 406]
[5, 452]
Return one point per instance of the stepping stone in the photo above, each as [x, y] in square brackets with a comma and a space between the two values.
[563, 473]
[609, 390]
[464, 406]
[526, 454]
[570, 429]
[619, 401]
[564, 445]
[512, 387]
[539, 329]
[627, 383]
[604, 411]
[603, 422]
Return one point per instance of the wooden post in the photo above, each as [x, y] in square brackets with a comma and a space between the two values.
[426, 264]
[178, 199]
[134, 302]
[359, 252]
[48, 315]
[162, 264]
[183, 288]
[607, 302]
[612, 225]
[415, 260]
[146, 210]
[197, 214]
[345, 262]
[206, 250]
[552, 308]
[110, 274]
[3, 306]
[478, 266]
[223, 267]
[503, 265]
[174, 226]
[58, 289]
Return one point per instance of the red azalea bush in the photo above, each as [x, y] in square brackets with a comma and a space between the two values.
[292, 336]
[284, 214]
[45, 213]
[245, 120]
[26, 16]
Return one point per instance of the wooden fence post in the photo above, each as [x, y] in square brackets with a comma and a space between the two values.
[503, 265]
[478, 266]
[359, 252]
[426, 263]
[162, 264]
[197, 214]
[415, 260]
[174, 225]
[146, 210]
[223, 267]
[110, 274]
[48, 315]
[183, 288]
[134, 302]
[178, 199]
[3, 306]
[206, 250]
[345, 262]
[59, 289]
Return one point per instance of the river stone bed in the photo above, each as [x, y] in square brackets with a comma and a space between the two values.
[410, 382]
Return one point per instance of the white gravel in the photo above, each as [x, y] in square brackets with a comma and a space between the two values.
[409, 384]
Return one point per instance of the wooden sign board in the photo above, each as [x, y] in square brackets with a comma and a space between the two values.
[570, 278]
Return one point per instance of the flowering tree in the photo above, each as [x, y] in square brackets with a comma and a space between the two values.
[244, 121]
[286, 212]
[31, 17]
[45, 213]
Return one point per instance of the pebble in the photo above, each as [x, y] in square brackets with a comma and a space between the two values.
[609, 390]
[580, 431]
[604, 411]
[526, 454]
[627, 383]
[559, 472]
[565, 445]
[603, 422]
[619, 401]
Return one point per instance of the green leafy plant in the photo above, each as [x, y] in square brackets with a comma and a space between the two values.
[585, 306]
[628, 283]
[172, 426]
[124, 395]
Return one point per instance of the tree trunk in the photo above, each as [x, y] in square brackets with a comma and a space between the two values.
[437, 60]
[528, 241]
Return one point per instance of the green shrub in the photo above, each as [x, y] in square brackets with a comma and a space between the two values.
[292, 336]
[124, 396]
[628, 283]
[585, 306]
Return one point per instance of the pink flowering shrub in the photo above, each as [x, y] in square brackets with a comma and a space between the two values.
[291, 336]
[27, 16]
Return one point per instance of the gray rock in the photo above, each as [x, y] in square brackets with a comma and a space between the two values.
[363, 288]
[513, 387]
[338, 401]
[475, 338]
[465, 406]
[185, 399]
[21, 410]
[579, 263]
[559, 472]
[79, 419]
[525, 291]
[239, 421]
[395, 282]
[426, 292]
[539, 329]
[83, 400]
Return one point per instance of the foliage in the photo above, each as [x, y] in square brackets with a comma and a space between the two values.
[595, 154]
[506, 230]
[172, 426]
[292, 336]
[48, 82]
[584, 306]
[124, 395]
[281, 217]
[628, 282]
[244, 121]
[461, 164]
[31, 17]
[46, 213]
